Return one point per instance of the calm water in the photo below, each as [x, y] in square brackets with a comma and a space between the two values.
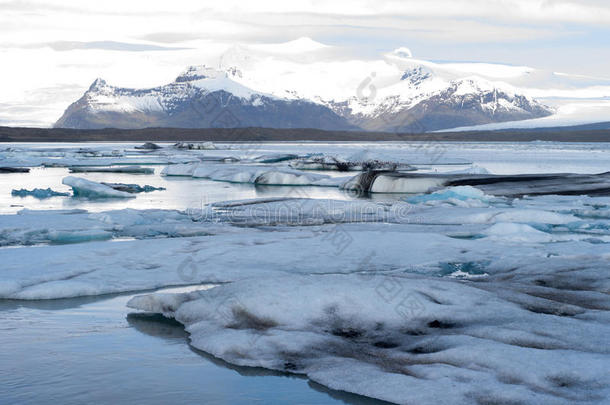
[181, 192]
[96, 350]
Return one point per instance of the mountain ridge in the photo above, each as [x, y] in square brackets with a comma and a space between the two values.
[411, 98]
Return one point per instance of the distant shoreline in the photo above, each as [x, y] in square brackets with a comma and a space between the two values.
[17, 134]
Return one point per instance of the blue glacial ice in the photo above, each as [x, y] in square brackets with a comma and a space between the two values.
[40, 193]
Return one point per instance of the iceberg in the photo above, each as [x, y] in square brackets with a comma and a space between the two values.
[40, 193]
[148, 146]
[90, 189]
[497, 185]
[392, 182]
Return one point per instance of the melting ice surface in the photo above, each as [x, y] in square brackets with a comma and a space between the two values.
[456, 295]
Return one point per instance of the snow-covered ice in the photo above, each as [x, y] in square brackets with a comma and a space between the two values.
[471, 289]
[263, 175]
[408, 339]
[90, 189]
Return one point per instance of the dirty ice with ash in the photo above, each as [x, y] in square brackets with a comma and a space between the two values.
[444, 281]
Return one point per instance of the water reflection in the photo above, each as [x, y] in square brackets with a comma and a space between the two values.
[171, 330]
[145, 358]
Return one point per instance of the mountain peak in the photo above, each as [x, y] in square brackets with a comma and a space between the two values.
[198, 72]
[98, 84]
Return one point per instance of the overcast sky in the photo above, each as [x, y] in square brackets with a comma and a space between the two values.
[51, 51]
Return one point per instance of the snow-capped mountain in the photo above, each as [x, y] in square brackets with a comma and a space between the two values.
[199, 98]
[267, 88]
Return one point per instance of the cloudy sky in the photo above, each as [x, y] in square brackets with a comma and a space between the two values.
[51, 51]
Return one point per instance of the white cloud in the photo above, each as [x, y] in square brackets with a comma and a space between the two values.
[56, 44]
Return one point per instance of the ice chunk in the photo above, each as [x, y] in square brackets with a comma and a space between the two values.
[498, 185]
[389, 183]
[40, 193]
[450, 194]
[195, 146]
[357, 162]
[148, 146]
[276, 158]
[120, 169]
[133, 188]
[181, 169]
[90, 189]
[264, 175]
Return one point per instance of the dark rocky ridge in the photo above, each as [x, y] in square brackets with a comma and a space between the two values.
[588, 133]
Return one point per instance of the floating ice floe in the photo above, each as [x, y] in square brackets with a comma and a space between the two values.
[263, 175]
[409, 339]
[90, 189]
[498, 185]
[40, 193]
[303, 211]
[148, 146]
[195, 146]
[357, 162]
[98, 157]
[132, 188]
[120, 169]
[275, 158]
[33, 227]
